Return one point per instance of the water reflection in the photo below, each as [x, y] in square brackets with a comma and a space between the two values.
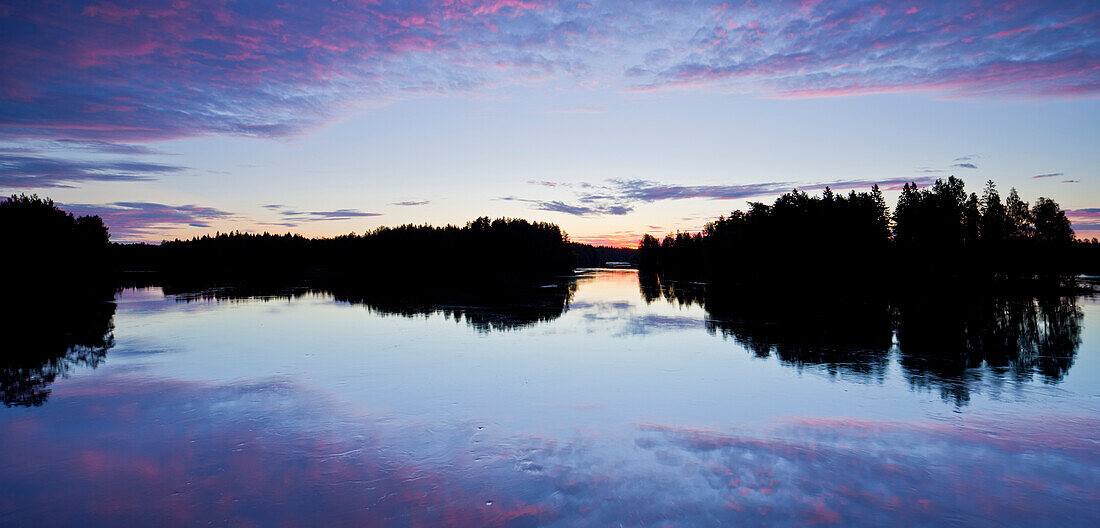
[945, 343]
[484, 307]
[49, 334]
[593, 408]
[272, 453]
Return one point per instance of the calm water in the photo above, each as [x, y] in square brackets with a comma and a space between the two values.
[601, 403]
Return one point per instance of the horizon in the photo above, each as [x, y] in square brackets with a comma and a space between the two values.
[609, 121]
[627, 243]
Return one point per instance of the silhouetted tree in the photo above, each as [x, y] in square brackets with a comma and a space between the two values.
[937, 232]
[931, 219]
[1017, 217]
[972, 219]
[40, 240]
[648, 253]
[768, 243]
[1051, 224]
[993, 215]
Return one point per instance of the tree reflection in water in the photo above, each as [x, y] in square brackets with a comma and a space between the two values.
[944, 342]
[50, 334]
[484, 307]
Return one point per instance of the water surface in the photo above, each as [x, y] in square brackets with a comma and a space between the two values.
[600, 401]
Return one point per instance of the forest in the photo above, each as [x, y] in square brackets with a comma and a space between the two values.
[844, 241]
[832, 240]
[42, 241]
[49, 242]
[501, 249]
[881, 273]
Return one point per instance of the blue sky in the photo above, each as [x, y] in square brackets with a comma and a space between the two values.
[612, 119]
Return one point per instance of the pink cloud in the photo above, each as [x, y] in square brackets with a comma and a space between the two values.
[146, 221]
[160, 69]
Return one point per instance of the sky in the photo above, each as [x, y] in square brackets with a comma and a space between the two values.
[176, 118]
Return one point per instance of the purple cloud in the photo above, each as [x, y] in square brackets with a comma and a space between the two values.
[134, 70]
[620, 197]
[339, 214]
[559, 206]
[1050, 175]
[132, 221]
[1084, 219]
[152, 69]
[964, 166]
[293, 215]
[812, 49]
[28, 171]
[411, 203]
[85, 145]
[107, 147]
[648, 191]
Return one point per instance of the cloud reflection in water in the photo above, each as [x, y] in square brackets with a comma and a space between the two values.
[270, 452]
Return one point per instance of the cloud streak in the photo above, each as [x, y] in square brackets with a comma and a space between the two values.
[106, 147]
[30, 170]
[619, 197]
[136, 221]
[293, 215]
[1084, 219]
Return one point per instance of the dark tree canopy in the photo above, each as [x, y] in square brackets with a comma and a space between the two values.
[841, 234]
[500, 249]
[937, 231]
[39, 238]
[1051, 224]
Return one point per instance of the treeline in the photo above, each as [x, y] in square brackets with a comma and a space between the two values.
[501, 249]
[933, 232]
[589, 256]
[42, 239]
[57, 310]
[39, 239]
